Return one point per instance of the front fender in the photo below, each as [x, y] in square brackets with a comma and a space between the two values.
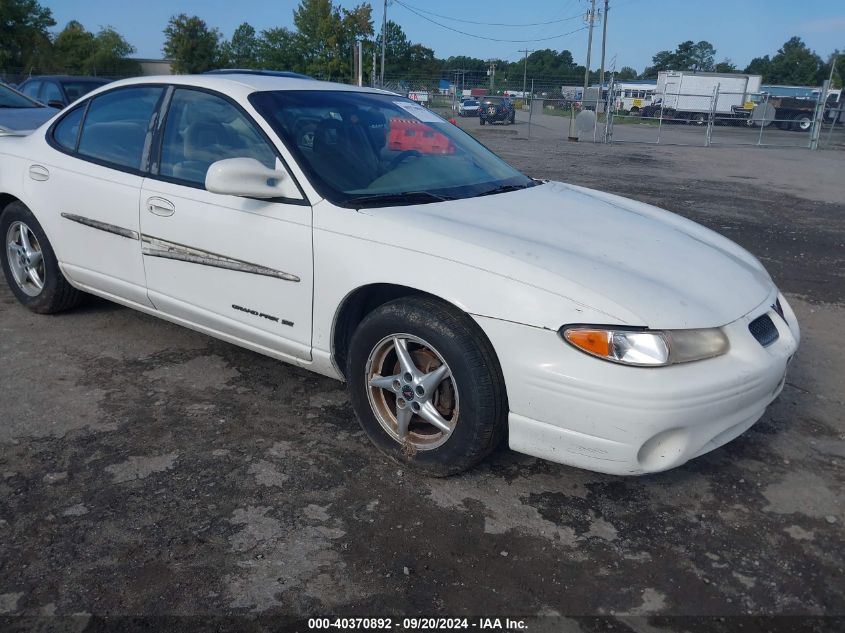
[345, 262]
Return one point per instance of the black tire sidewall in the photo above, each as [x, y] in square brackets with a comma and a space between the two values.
[17, 212]
[478, 380]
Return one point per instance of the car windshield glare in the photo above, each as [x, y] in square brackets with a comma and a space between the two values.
[12, 99]
[370, 149]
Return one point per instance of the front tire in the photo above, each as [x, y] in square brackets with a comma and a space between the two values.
[426, 386]
[30, 265]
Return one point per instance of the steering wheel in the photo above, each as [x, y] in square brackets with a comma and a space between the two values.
[408, 153]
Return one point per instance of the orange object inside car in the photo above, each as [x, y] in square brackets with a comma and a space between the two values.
[407, 134]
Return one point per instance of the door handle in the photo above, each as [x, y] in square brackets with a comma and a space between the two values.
[160, 206]
[39, 173]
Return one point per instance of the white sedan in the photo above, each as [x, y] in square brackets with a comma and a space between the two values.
[354, 233]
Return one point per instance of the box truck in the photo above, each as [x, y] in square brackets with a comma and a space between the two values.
[689, 96]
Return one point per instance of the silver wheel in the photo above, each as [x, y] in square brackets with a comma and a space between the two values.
[803, 123]
[411, 391]
[26, 259]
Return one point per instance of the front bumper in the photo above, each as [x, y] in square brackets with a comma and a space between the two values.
[570, 408]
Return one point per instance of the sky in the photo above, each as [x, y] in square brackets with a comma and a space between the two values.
[740, 30]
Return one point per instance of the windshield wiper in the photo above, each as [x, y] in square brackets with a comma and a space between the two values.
[404, 197]
[503, 189]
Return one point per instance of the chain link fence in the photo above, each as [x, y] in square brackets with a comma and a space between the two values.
[719, 118]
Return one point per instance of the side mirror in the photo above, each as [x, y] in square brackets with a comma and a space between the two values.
[248, 178]
[56, 104]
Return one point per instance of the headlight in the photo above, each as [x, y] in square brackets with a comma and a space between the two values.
[646, 348]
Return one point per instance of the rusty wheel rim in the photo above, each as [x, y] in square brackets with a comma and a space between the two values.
[412, 392]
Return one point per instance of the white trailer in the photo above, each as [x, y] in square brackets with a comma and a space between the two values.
[688, 95]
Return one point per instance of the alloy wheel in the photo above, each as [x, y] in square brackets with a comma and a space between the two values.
[26, 259]
[412, 391]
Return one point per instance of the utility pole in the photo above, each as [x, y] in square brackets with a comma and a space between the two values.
[383, 41]
[492, 72]
[525, 70]
[603, 42]
[373, 78]
[591, 18]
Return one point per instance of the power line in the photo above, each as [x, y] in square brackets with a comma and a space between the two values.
[446, 17]
[483, 37]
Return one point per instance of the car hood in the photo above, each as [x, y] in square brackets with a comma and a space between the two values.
[636, 263]
[23, 119]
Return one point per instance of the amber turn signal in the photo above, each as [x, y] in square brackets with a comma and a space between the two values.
[593, 341]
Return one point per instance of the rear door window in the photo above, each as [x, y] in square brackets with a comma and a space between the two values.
[115, 128]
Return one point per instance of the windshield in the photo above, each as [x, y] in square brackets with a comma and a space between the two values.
[76, 88]
[12, 99]
[366, 149]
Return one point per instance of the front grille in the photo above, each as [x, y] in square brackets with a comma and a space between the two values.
[763, 329]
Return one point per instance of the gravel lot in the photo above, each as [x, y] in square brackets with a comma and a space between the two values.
[149, 470]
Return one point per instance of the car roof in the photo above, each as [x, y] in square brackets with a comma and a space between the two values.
[239, 84]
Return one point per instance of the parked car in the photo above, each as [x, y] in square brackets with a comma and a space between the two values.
[460, 300]
[468, 107]
[494, 109]
[19, 113]
[58, 90]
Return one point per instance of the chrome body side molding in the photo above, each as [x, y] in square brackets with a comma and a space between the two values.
[155, 247]
[102, 226]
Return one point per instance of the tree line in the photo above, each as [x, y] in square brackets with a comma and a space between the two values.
[793, 64]
[27, 46]
[321, 42]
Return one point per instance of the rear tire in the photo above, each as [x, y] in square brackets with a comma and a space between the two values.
[802, 122]
[481, 121]
[465, 386]
[30, 265]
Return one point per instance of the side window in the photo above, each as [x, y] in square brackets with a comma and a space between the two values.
[67, 131]
[115, 127]
[201, 129]
[51, 92]
[31, 89]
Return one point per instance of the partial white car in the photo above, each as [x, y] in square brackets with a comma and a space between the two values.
[469, 107]
[354, 233]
